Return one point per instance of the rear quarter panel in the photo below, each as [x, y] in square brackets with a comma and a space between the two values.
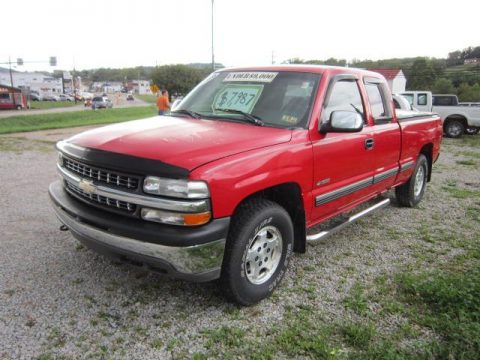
[417, 133]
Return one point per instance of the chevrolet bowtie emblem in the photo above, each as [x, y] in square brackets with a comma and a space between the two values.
[87, 186]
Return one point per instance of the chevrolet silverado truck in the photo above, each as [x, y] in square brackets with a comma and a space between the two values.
[457, 118]
[243, 173]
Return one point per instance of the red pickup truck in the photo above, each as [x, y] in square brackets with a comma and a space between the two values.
[236, 179]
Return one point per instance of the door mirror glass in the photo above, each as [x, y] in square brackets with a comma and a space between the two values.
[343, 121]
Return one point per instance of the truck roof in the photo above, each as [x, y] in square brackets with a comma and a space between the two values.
[320, 69]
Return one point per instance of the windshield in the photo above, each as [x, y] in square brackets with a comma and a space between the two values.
[280, 99]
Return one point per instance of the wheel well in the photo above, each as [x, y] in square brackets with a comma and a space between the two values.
[460, 118]
[427, 150]
[289, 197]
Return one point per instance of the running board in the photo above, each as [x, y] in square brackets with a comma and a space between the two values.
[326, 233]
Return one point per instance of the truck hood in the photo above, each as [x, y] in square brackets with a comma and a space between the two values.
[183, 142]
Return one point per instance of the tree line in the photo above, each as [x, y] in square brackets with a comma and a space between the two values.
[441, 76]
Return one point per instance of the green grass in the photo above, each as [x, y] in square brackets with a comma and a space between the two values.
[446, 301]
[152, 99]
[52, 104]
[15, 124]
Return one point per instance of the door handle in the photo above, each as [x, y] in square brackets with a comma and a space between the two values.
[369, 144]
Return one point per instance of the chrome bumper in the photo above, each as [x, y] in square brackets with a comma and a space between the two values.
[200, 262]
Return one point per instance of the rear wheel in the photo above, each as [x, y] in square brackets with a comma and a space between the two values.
[411, 193]
[454, 128]
[258, 249]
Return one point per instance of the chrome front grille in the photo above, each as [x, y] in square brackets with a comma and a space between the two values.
[101, 175]
[102, 200]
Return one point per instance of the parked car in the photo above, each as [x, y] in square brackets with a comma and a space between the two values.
[130, 97]
[101, 102]
[457, 119]
[51, 97]
[238, 177]
[35, 97]
[65, 97]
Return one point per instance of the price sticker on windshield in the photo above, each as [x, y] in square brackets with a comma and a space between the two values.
[237, 97]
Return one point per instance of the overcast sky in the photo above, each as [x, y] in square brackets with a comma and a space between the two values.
[108, 33]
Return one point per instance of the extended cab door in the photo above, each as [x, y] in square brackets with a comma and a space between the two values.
[386, 133]
[344, 163]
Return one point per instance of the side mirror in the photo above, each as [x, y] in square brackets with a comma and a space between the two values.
[343, 121]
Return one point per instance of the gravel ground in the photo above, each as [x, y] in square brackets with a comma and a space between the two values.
[58, 299]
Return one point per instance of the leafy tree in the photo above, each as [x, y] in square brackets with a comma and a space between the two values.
[422, 75]
[443, 86]
[178, 79]
[467, 92]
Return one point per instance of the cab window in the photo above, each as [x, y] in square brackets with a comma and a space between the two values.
[345, 95]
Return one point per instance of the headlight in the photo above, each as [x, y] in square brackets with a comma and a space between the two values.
[172, 218]
[176, 188]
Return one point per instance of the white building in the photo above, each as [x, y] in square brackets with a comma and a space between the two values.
[141, 87]
[107, 87]
[43, 84]
[396, 79]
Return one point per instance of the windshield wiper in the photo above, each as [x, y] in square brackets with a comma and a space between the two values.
[187, 112]
[249, 117]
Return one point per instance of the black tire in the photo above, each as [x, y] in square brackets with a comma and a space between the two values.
[454, 128]
[18, 107]
[254, 217]
[409, 194]
[472, 131]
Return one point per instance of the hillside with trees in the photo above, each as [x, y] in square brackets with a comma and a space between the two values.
[441, 76]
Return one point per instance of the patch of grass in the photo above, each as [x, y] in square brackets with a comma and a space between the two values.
[359, 335]
[52, 104]
[20, 144]
[228, 336]
[356, 300]
[157, 344]
[460, 193]
[152, 99]
[471, 154]
[24, 123]
[466, 162]
[447, 302]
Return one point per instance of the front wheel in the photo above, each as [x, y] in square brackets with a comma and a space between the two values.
[257, 253]
[410, 193]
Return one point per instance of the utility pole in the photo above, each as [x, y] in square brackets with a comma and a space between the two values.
[11, 80]
[213, 57]
[273, 57]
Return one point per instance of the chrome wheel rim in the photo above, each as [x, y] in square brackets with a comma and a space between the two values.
[263, 255]
[419, 180]
[455, 129]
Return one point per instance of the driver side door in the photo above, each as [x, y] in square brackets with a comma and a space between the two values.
[343, 162]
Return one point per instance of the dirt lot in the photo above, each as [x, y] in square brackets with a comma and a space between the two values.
[60, 300]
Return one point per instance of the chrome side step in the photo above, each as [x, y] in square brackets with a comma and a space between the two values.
[326, 233]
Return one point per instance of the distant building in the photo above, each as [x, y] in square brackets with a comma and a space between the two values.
[107, 87]
[472, 61]
[30, 81]
[141, 87]
[396, 79]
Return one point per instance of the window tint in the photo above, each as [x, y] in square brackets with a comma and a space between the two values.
[422, 99]
[397, 105]
[376, 100]
[344, 96]
[443, 100]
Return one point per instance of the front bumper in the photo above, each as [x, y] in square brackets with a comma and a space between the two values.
[188, 253]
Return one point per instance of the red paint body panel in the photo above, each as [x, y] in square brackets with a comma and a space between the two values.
[238, 160]
[181, 141]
